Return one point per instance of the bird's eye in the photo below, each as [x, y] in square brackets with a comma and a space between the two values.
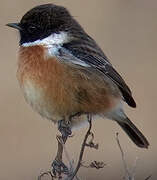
[31, 29]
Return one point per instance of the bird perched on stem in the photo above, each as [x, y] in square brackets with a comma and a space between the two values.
[64, 74]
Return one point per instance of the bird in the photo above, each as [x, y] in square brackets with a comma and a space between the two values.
[64, 75]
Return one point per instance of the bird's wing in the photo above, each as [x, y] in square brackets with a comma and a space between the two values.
[88, 54]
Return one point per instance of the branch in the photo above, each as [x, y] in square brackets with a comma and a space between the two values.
[148, 177]
[129, 175]
[48, 173]
[82, 149]
[71, 169]
[94, 164]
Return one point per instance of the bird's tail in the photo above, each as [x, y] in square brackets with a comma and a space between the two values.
[135, 135]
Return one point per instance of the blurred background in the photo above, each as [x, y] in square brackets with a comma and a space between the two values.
[126, 31]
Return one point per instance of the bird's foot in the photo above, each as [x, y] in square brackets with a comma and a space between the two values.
[58, 167]
[65, 129]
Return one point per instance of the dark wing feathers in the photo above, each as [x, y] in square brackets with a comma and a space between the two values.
[125, 90]
[90, 54]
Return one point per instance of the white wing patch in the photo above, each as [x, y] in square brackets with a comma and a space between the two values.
[68, 57]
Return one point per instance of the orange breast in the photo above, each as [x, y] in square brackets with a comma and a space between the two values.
[44, 83]
[56, 89]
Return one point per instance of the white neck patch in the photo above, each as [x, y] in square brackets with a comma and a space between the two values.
[52, 42]
[53, 39]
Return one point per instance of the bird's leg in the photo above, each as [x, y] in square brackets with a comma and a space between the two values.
[64, 126]
[58, 167]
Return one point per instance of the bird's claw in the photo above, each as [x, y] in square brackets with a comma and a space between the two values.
[64, 128]
[58, 167]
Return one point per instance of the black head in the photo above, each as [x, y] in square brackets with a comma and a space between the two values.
[42, 21]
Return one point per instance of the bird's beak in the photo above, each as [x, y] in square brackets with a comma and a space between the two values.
[14, 25]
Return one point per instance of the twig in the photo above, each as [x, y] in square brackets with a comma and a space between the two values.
[148, 177]
[46, 173]
[94, 164]
[134, 168]
[59, 138]
[91, 144]
[128, 174]
[82, 149]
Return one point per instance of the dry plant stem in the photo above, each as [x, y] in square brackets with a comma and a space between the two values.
[60, 140]
[128, 175]
[71, 169]
[94, 164]
[46, 173]
[59, 155]
[66, 152]
[59, 151]
[134, 167]
[82, 149]
[148, 177]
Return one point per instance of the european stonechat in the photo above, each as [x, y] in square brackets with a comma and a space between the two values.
[62, 71]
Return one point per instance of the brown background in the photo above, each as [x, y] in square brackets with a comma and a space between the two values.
[127, 32]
